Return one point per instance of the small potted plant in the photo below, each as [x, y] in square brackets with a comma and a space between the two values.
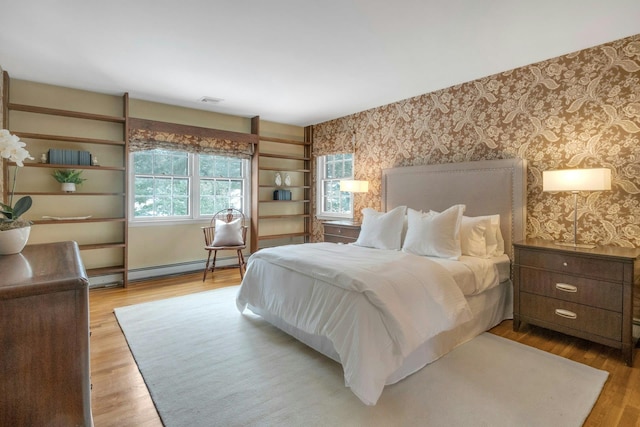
[69, 178]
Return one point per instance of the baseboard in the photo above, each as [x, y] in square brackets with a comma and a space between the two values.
[158, 271]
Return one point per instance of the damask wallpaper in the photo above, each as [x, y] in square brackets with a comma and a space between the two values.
[581, 110]
[1, 127]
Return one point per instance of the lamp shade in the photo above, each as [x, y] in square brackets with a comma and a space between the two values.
[597, 179]
[354, 186]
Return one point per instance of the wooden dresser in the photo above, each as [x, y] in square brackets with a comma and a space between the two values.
[587, 293]
[341, 231]
[44, 338]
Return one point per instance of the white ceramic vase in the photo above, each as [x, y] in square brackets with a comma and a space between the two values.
[14, 240]
[68, 187]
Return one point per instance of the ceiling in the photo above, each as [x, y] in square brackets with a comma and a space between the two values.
[298, 62]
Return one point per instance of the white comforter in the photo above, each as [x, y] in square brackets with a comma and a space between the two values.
[375, 306]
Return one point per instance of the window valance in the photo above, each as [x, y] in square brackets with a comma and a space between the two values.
[337, 139]
[150, 134]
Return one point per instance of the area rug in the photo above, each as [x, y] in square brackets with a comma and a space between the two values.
[205, 364]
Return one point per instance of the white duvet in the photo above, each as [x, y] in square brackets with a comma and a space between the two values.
[375, 306]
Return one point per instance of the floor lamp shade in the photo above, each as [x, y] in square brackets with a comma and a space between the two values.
[576, 180]
[598, 179]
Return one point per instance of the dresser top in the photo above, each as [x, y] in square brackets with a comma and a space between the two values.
[39, 269]
[600, 251]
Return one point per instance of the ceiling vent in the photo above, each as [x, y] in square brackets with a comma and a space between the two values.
[211, 100]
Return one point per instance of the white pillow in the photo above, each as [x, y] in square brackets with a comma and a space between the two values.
[381, 230]
[473, 236]
[471, 240]
[434, 234]
[495, 242]
[228, 233]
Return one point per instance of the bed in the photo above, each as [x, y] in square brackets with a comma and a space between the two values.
[385, 313]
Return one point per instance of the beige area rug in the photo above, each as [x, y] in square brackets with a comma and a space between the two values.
[205, 364]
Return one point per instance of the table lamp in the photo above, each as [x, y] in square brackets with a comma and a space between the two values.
[354, 186]
[575, 180]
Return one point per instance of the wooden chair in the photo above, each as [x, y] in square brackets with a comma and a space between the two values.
[232, 235]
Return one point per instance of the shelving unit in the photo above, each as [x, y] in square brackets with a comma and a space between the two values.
[112, 188]
[277, 222]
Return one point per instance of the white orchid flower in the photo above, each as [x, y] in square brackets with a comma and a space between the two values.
[12, 148]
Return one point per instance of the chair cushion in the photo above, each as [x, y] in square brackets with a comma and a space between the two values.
[228, 233]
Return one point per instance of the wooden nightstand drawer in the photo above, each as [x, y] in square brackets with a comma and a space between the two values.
[337, 230]
[572, 264]
[341, 232]
[551, 311]
[576, 289]
[584, 292]
[338, 239]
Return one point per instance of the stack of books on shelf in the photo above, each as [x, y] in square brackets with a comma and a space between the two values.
[282, 195]
[69, 157]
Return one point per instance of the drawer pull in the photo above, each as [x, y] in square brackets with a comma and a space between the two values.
[564, 264]
[339, 230]
[565, 287]
[566, 313]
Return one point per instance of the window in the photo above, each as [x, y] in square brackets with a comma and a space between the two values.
[331, 202]
[178, 185]
[221, 183]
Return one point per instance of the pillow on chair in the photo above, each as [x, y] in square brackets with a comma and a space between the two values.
[228, 233]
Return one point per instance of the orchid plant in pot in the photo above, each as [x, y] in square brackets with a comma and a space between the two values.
[14, 231]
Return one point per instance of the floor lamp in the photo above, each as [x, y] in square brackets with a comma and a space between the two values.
[576, 180]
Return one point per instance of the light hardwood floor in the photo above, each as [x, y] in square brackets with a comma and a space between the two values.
[120, 397]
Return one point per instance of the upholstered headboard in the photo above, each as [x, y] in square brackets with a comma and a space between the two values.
[485, 187]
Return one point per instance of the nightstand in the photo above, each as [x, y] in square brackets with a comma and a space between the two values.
[341, 231]
[587, 293]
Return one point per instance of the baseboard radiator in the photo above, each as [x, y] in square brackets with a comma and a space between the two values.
[159, 271]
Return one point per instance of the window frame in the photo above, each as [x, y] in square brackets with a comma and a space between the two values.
[194, 190]
[320, 180]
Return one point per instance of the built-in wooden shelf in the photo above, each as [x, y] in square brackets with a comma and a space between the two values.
[272, 155]
[284, 140]
[55, 166]
[284, 156]
[65, 113]
[68, 138]
[266, 168]
[40, 134]
[287, 216]
[287, 187]
[283, 236]
[75, 221]
[61, 193]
